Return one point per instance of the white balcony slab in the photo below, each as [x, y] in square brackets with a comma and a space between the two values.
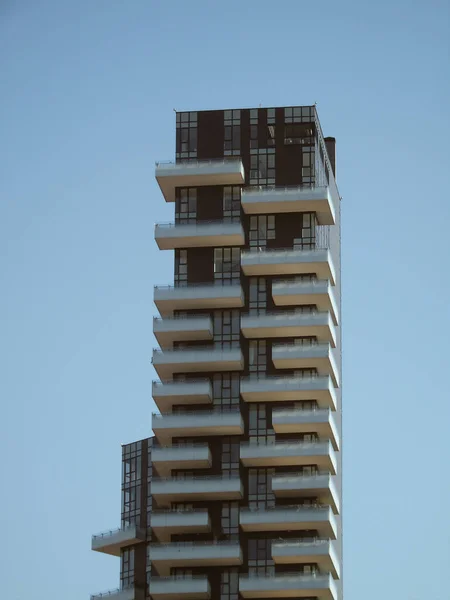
[197, 424]
[192, 360]
[266, 200]
[197, 173]
[286, 389]
[191, 391]
[181, 457]
[290, 324]
[306, 356]
[167, 522]
[189, 489]
[320, 551]
[298, 486]
[278, 454]
[294, 292]
[290, 518]
[199, 235]
[181, 329]
[296, 585]
[289, 262]
[287, 420]
[206, 296]
[173, 588]
[194, 554]
[111, 542]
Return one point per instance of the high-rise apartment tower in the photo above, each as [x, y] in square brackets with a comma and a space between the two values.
[238, 494]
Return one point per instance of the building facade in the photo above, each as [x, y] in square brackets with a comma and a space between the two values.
[238, 494]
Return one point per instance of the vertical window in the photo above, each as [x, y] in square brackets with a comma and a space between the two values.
[227, 327]
[186, 205]
[230, 456]
[260, 557]
[258, 428]
[226, 389]
[186, 144]
[127, 568]
[131, 483]
[232, 203]
[262, 166]
[257, 358]
[229, 584]
[181, 268]
[307, 239]
[232, 133]
[254, 128]
[227, 265]
[257, 295]
[308, 165]
[262, 228]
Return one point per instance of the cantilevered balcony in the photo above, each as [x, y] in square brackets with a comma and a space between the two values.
[196, 359]
[267, 261]
[198, 424]
[288, 323]
[299, 485]
[187, 489]
[295, 585]
[116, 594]
[290, 518]
[286, 389]
[319, 551]
[166, 458]
[287, 453]
[111, 542]
[178, 587]
[182, 329]
[195, 173]
[291, 199]
[190, 391]
[197, 296]
[165, 523]
[212, 234]
[306, 356]
[195, 554]
[294, 420]
[295, 292]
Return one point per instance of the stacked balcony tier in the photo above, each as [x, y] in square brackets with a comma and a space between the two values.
[294, 292]
[209, 296]
[276, 454]
[196, 173]
[195, 359]
[287, 420]
[165, 523]
[295, 585]
[176, 587]
[187, 489]
[273, 200]
[112, 542]
[198, 424]
[191, 391]
[211, 234]
[290, 389]
[302, 486]
[194, 554]
[290, 518]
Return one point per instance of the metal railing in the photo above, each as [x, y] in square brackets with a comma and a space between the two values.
[286, 575]
[300, 475]
[106, 594]
[180, 511]
[288, 507]
[224, 410]
[182, 477]
[196, 162]
[270, 443]
[302, 347]
[284, 378]
[288, 313]
[307, 541]
[206, 284]
[110, 532]
[189, 317]
[257, 189]
[158, 383]
[193, 224]
[179, 578]
[203, 349]
[192, 544]
[293, 412]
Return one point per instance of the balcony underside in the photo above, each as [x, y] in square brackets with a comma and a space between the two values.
[213, 423]
[289, 454]
[112, 542]
[199, 235]
[320, 587]
[295, 552]
[290, 389]
[290, 324]
[193, 490]
[289, 262]
[297, 518]
[306, 356]
[166, 523]
[197, 297]
[181, 457]
[189, 360]
[302, 486]
[297, 293]
[173, 588]
[303, 421]
[167, 331]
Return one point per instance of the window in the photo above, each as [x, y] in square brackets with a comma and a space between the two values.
[257, 358]
[232, 133]
[257, 295]
[308, 165]
[258, 428]
[232, 203]
[181, 268]
[186, 205]
[298, 133]
[127, 568]
[307, 239]
[226, 389]
[131, 483]
[299, 114]
[229, 584]
[262, 166]
[260, 557]
[186, 143]
[262, 228]
[230, 456]
[227, 326]
[227, 265]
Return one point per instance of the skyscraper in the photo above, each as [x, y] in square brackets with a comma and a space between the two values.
[238, 494]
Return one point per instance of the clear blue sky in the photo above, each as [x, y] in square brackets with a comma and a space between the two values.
[87, 90]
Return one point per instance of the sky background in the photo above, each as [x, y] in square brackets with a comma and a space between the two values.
[87, 92]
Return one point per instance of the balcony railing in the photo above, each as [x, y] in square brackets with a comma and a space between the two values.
[195, 162]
